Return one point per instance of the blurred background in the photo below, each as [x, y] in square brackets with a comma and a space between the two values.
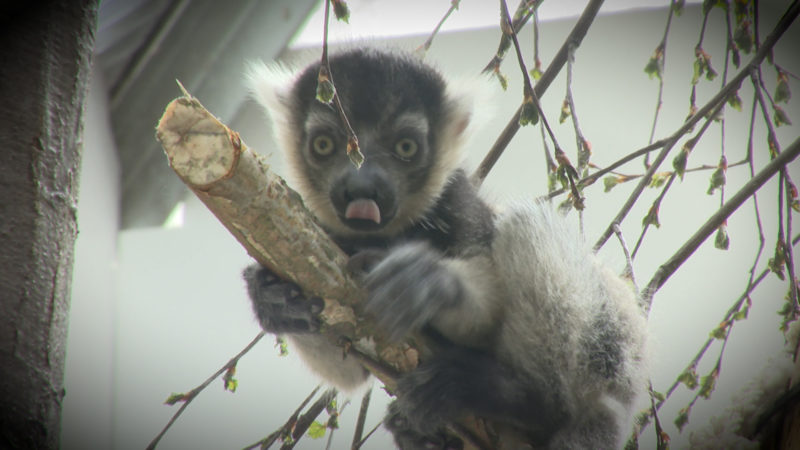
[158, 303]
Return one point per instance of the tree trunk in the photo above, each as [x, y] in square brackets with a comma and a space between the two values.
[44, 69]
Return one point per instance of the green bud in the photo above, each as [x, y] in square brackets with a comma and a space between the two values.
[717, 180]
[722, 241]
[689, 378]
[610, 182]
[742, 36]
[316, 430]
[708, 383]
[680, 161]
[529, 113]
[565, 111]
[780, 117]
[325, 91]
[782, 92]
[652, 217]
[682, 419]
[354, 152]
[341, 10]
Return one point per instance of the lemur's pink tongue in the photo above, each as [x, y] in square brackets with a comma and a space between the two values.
[364, 209]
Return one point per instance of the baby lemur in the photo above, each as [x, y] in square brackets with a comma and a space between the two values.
[535, 334]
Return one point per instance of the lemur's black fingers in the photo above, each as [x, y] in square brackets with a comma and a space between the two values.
[281, 306]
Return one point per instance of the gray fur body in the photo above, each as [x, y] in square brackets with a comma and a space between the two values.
[532, 331]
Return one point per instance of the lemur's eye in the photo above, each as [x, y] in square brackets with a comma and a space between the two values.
[406, 148]
[323, 145]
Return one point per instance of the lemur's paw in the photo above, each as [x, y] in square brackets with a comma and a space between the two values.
[280, 305]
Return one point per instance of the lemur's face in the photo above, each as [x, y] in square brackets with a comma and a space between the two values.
[373, 198]
[398, 109]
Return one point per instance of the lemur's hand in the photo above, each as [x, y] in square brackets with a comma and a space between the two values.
[280, 305]
[408, 288]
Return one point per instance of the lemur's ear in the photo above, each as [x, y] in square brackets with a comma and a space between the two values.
[468, 101]
[270, 86]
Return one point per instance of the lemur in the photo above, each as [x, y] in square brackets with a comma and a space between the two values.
[537, 335]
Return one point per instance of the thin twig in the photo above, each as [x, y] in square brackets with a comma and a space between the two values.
[529, 97]
[362, 418]
[628, 260]
[286, 428]
[657, 203]
[661, 55]
[780, 28]
[194, 392]
[692, 365]
[575, 37]
[427, 44]
[671, 265]
[304, 422]
[525, 10]
[353, 150]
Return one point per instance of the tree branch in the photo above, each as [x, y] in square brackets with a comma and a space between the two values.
[574, 39]
[671, 265]
[783, 24]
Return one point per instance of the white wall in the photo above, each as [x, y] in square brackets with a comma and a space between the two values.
[89, 376]
[182, 311]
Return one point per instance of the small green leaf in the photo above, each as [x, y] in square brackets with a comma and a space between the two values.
[230, 383]
[721, 331]
[341, 10]
[682, 419]
[743, 37]
[610, 181]
[782, 91]
[708, 383]
[565, 112]
[658, 180]
[722, 241]
[282, 346]
[680, 161]
[677, 7]
[780, 117]
[689, 378]
[529, 114]
[325, 91]
[175, 398]
[742, 313]
[652, 217]
[735, 101]
[658, 396]
[654, 65]
[354, 152]
[316, 430]
[778, 260]
[717, 180]
[699, 67]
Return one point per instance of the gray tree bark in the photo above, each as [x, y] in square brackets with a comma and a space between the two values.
[45, 54]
